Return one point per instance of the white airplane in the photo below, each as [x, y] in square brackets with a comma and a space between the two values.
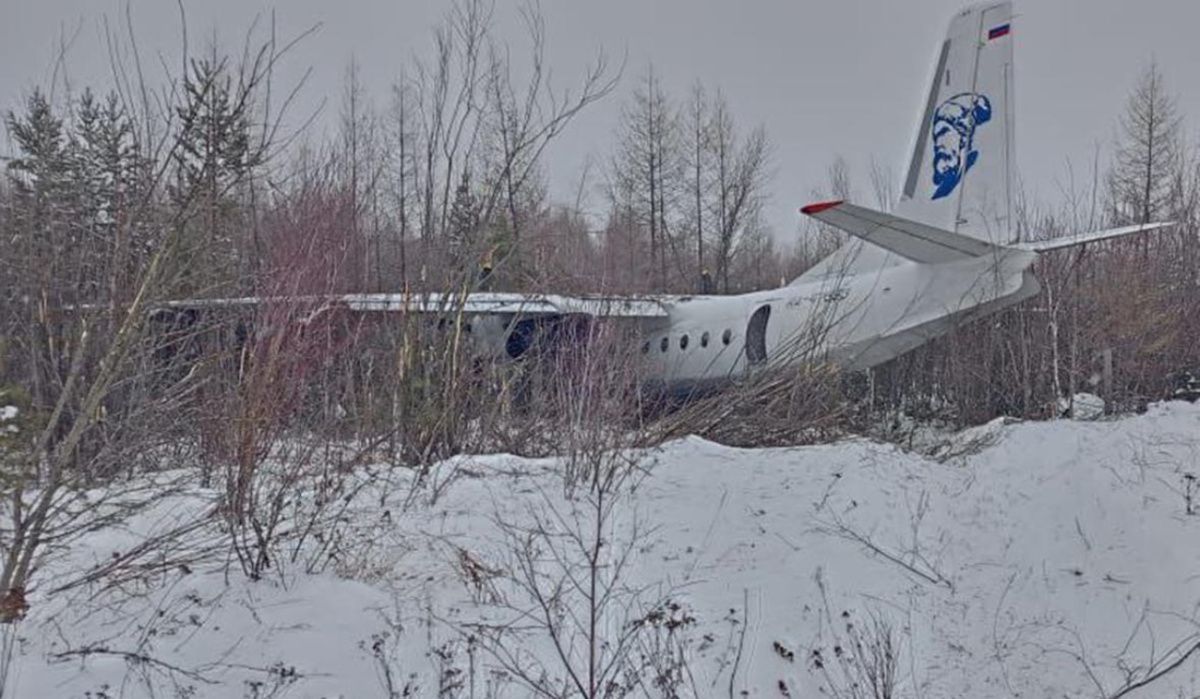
[946, 254]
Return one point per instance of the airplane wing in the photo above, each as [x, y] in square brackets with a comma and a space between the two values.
[480, 303]
[1083, 238]
[488, 303]
[909, 239]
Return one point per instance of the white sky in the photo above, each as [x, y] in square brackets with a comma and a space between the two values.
[836, 77]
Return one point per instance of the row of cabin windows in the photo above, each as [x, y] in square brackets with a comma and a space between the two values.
[665, 343]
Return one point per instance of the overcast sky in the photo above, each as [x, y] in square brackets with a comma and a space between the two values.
[825, 78]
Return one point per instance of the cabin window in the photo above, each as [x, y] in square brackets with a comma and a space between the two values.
[664, 344]
[683, 342]
[646, 347]
[704, 339]
[727, 336]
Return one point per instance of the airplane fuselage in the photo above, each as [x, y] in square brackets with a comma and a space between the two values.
[855, 321]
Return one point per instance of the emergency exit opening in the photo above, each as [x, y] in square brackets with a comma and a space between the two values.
[756, 336]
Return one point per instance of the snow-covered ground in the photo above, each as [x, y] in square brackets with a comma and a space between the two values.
[1031, 559]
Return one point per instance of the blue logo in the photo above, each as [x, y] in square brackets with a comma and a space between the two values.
[954, 124]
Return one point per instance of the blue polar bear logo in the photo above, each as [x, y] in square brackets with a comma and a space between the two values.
[954, 124]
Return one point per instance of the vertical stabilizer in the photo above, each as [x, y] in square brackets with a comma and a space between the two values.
[960, 176]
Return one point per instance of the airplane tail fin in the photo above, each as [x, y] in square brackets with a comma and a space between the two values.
[960, 176]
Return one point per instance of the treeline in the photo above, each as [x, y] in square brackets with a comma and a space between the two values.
[444, 173]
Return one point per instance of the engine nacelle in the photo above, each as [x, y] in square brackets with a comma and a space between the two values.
[508, 338]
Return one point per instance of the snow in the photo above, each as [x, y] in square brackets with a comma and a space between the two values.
[1020, 559]
[8, 412]
[1082, 406]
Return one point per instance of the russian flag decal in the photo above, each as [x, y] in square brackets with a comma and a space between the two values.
[997, 32]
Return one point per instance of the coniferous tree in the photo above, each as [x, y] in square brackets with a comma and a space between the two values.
[40, 218]
[113, 176]
[1148, 153]
[216, 155]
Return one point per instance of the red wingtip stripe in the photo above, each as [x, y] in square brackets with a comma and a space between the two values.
[814, 209]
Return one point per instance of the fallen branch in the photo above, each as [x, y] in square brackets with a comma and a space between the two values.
[931, 575]
[136, 658]
[1157, 671]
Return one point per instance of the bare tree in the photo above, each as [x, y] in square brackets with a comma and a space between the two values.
[741, 171]
[362, 168]
[1149, 151]
[698, 125]
[840, 182]
[645, 168]
[883, 185]
[404, 169]
[477, 133]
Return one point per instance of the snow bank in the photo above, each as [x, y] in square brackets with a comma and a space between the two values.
[1082, 406]
[1033, 559]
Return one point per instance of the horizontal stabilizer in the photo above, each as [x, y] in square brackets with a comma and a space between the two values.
[908, 239]
[1093, 237]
